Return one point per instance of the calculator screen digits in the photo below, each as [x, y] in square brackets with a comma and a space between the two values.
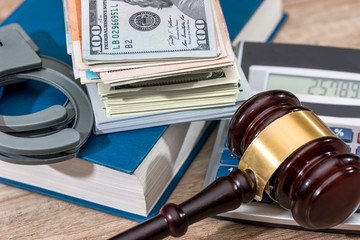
[319, 86]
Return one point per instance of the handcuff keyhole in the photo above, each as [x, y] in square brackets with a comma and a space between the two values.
[1, 44]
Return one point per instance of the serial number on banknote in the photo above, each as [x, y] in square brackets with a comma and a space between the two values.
[115, 31]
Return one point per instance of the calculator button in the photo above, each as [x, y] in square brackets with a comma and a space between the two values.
[345, 134]
[224, 171]
[358, 151]
[228, 158]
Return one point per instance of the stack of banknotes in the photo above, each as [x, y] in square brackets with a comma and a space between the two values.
[151, 56]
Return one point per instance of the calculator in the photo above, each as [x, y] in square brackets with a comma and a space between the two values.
[326, 80]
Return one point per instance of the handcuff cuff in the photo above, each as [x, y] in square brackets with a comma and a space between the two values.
[51, 135]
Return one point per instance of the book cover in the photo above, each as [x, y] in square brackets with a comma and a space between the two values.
[72, 180]
[238, 13]
[112, 150]
[253, 20]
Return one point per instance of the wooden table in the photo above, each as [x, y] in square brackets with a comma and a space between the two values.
[26, 215]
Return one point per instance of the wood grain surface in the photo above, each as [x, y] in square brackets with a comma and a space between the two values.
[26, 215]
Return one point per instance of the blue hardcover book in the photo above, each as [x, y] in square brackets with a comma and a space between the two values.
[252, 20]
[130, 174]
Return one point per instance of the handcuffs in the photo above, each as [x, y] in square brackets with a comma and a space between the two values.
[51, 135]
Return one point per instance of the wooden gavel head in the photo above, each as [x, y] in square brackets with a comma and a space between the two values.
[284, 149]
[315, 175]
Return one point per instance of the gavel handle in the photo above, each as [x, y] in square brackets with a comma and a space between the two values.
[224, 194]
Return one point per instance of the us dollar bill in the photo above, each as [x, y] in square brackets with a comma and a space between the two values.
[124, 29]
[172, 80]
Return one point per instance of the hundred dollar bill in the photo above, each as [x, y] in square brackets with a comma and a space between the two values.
[126, 30]
[226, 59]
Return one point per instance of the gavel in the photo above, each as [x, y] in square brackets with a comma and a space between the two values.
[284, 150]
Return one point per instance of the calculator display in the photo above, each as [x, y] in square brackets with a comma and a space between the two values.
[319, 86]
